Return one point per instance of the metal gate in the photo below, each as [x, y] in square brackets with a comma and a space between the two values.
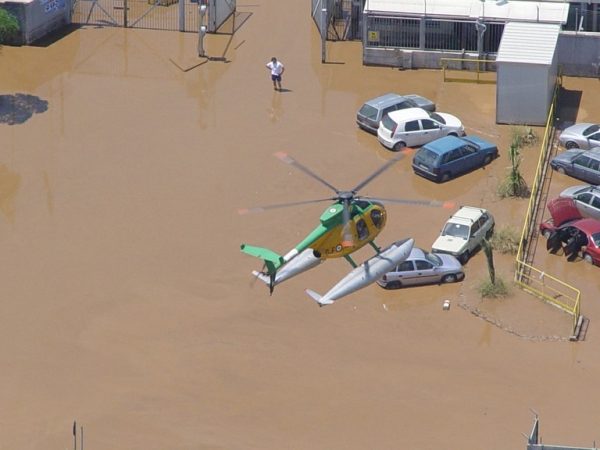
[343, 18]
[176, 15]
[218, 12]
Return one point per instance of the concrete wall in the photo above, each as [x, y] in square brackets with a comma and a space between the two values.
[417, 59]
[579, 54]
[37, 18]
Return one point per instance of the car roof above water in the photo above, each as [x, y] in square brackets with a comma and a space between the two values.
[467, 214]
[402, 115]
[444, 144]
[384, 100]
[593, 153]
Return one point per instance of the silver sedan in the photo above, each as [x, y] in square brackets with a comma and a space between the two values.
[580, 135]
[422, 267]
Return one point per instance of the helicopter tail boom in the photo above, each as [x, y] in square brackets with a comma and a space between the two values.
[272, 260]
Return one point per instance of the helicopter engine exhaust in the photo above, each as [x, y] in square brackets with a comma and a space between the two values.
[368, 272]
[306, 260]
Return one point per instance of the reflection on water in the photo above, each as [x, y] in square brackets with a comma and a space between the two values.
[19, 108]
[10, 182]
[275, 111]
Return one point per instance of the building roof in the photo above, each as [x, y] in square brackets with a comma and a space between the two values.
[501, 10]
[532, 43]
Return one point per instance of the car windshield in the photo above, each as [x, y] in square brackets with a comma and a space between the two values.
[596, 238]
[368, 111]
[457, 230]
[591, 130]
[426, 156]
[437, 118]
[433, 258]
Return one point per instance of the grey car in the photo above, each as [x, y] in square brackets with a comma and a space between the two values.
[580, 135]
[371, 112]
[587, 199]
[422, 267]
[581, 164]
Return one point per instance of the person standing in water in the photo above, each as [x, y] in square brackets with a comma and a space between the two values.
[277, 70]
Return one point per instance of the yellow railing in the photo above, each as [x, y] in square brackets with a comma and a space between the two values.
[545, 286]
[470, 70]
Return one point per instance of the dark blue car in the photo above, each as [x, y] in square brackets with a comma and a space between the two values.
[450, 156]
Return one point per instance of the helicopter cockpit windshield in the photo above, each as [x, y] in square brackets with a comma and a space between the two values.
[362, 231]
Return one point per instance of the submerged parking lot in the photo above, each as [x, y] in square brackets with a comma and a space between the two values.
[128, 307]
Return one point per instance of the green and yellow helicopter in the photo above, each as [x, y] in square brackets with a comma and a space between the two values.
[350, 223]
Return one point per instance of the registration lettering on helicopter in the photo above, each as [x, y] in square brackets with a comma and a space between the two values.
[332, 250]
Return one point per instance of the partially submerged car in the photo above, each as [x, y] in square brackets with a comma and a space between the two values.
[450, 156]
[422, 267]
[371, 112]
[568, 231]
[587, 199]
[463, 233]
[580, 135]
[413, 127]
[581, 164]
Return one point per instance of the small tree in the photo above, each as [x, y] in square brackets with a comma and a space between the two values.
[9, 26]
[514, 185]
[495, 287]
[489, 256]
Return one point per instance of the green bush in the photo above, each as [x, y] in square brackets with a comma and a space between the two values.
[500, 288]
[9, 26]
[524, 135]
[506, 240]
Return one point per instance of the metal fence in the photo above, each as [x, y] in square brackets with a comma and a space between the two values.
[528, 277]
[176, 15]
[428, 34]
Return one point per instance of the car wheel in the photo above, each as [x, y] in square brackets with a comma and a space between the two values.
[399, 146]
[546, 234]
[393, 285]
[464, 257]
[487, 160]
[569, 145]
[451, 278]
[560, 169]
[453, 134]
[445, 177]
[489, 233]
[588, 258]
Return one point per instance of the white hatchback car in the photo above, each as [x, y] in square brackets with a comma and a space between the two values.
[464, 232]
[412, 127]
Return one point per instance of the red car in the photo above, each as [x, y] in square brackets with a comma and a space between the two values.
[567, 230]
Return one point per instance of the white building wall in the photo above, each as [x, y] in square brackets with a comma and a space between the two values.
[523, 93]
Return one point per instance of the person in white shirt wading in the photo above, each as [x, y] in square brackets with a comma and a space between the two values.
[277, 70]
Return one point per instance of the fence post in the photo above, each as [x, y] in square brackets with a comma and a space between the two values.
[181, 15]
[323, 33]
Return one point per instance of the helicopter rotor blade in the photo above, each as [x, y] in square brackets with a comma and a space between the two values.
[347, 237]
[379, 171]
[449, 205]
[289, 160]
[258, 209]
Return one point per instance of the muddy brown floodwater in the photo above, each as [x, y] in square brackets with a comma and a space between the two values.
[128, 307]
